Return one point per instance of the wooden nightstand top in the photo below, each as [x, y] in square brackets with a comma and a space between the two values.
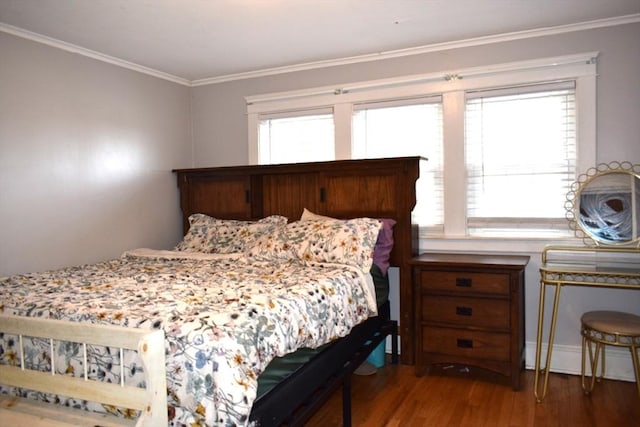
[470, 260]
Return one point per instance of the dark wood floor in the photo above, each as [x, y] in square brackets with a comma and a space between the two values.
[394, 396]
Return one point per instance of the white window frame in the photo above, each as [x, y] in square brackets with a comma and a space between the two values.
[451, 85]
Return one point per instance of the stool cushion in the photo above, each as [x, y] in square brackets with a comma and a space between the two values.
[612, 322]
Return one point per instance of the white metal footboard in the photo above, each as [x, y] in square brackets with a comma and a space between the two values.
[151, 401]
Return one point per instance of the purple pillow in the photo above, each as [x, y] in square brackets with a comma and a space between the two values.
[384, 245]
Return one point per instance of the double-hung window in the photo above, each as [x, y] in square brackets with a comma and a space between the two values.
[503, 143]
[520, 156]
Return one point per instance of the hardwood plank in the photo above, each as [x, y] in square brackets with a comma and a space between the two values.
[395, 397]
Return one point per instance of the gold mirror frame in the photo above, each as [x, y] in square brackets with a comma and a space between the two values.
[603, 209]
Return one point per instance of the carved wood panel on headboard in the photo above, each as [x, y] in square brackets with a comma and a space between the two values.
[376, 188]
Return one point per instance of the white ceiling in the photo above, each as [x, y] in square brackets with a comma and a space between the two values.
[219, 39]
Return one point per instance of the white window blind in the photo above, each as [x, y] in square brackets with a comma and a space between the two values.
[520, 153]
[406, 127]
[300, 136]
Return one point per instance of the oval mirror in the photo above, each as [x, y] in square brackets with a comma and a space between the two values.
[606, 204]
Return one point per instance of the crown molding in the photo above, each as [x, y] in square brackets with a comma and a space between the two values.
[19, 32]
[436, 47]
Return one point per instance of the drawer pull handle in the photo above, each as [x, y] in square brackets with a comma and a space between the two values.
[462, 343]
[463, 282]
[464, 311]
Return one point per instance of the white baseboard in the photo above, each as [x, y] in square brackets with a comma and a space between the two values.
[567, 359]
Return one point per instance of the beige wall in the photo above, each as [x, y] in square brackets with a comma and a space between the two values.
[86, 150]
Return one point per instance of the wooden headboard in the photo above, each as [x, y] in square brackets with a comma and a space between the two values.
[376, 188]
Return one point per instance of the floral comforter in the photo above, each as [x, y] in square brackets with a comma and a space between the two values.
[225, 318]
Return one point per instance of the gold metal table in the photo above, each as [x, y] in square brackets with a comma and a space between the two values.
[596, 270]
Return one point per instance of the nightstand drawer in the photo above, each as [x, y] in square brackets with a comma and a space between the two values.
[461, 342]
[453, 281]
[457, 310]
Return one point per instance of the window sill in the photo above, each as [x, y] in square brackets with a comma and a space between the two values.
[493, 243]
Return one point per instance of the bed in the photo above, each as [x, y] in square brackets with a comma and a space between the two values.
[214, 384]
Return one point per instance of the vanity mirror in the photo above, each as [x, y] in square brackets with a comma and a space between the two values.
[603, 206]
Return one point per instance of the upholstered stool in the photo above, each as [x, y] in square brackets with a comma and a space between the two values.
[608, 328]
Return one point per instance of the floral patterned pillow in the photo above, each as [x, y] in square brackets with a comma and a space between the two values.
[384, 243]
[212, 235]
[348, 242]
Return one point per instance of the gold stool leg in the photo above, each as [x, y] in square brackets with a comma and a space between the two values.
[583, 367]
[636, 366]
[594, 368]
[603, 364]
[593, 363]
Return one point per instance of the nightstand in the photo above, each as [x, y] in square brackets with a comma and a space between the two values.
[470, 311]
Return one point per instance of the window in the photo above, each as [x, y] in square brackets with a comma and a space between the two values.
[406, 128]
[503, 143]
[397, 128]
[297, 138]
[520, 151]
